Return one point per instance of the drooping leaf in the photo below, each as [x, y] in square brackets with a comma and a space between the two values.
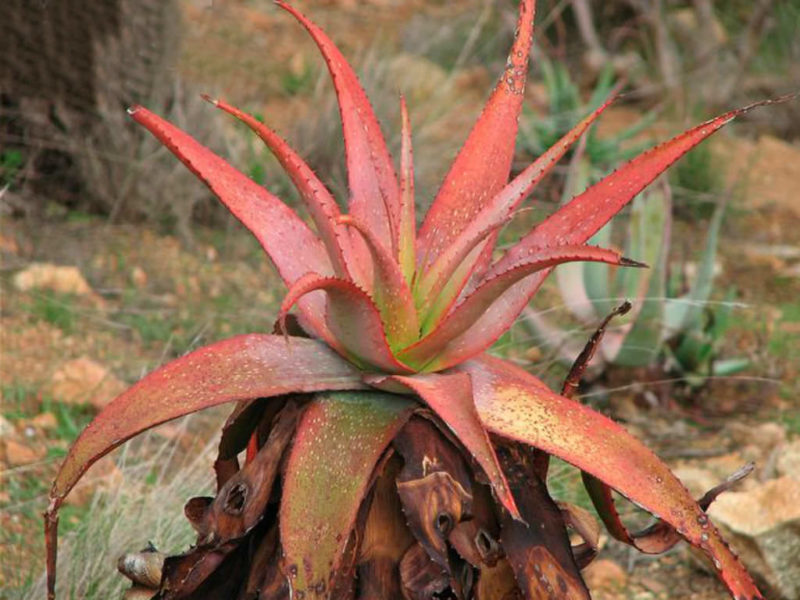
[482, 166]
[242, 367]
[353, 319]
[450, 397]
[433, 352]
[374, 191]
[288, 241]
[515, 405]
[339, 441]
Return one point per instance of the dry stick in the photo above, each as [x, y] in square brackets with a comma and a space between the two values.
[579, 366]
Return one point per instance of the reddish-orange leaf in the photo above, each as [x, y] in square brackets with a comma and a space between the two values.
[482, 167]
[433, 352]
[375, 193]
[242, 367]
[501, 315]
[407, 236]
[319, 201]
[520, 408]
[390, 291]
[353, 319]
[288, 241]
[338, 443]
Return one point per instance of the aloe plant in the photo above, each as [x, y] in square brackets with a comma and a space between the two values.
[677, 332]
[565, 106]
[386, 454]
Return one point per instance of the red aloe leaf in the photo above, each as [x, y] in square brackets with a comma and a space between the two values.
[584, 215]
[288, 241]
[406, 251]
[433, 347]
[242, 367]
[319, 201]
[339, 441]
[516, 405]
[450, 397]
[482, 167]
[501, 315]
[495, 214]
[375, 194]
[391, 292]
[353, 319]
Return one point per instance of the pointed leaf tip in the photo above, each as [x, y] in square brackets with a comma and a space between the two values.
[629, 262]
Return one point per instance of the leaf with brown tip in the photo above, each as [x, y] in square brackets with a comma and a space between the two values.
[496, 213]
[287, 240]
[482, 166]
[518, 407]
[374, 191]
[352, 317]
[502, 313]
[339, 441]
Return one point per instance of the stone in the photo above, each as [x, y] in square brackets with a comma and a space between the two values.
[56, 278]
[45, 421]
[18, 454]
[763, 526]
[605, 574]
[6, 427]
[788, 463]
[84, 381]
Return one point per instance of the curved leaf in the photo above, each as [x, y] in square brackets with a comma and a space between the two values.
[585, 214]
[375, 194]
[517, 406]
[242, 367]
[353, 319]
[450, 397]
[288, 241]
[391, 292]
[339, 441]
[592, 206]
[482, 166]
[429, 353]
[319, 201]
[494, 215]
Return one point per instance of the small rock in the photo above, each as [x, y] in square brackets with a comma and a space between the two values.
[138, 277]
[763, 527]
[45, 421]
[788, 463]
[18, 454]
[84, 381]
[61, 279]
[6, 428]
[605, 574]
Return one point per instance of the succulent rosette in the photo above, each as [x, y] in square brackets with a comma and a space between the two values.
[385, 453]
